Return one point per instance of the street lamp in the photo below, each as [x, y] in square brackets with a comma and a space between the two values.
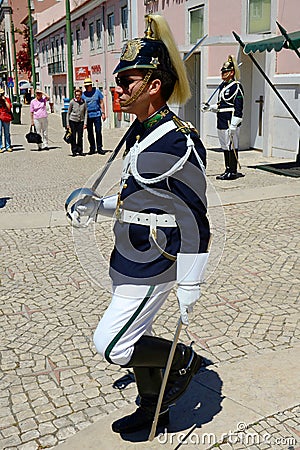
[15, 61]
[69, 50]
[31, 45]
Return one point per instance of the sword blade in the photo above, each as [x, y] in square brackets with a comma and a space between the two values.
[113, 156]
[164, 381]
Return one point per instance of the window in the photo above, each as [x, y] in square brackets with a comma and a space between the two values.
[62, 56]
[52, 51]
[259, 16]
[47, 53]
[98, 32]
[92, 36]
[78, 41]
[111, 28]
[62, 45]
[57, 49]
[196, 24]
[72, 43]
[124, 18]
[44, 55]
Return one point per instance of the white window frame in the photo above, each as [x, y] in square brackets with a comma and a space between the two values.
[111, 28]
[124, 23]
[99, 26]
[78, 41]
[191, 11]
[261, 31]
[92, 35]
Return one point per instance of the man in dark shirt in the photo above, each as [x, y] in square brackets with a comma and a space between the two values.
[96, 112]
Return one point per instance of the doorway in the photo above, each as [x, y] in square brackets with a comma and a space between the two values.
[258, 104]
[192, 107]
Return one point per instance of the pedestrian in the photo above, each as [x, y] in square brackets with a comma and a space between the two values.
[96, 113]
[5, 119]
[77, 121]
[39, 116]
[161, 231]
[229, 110]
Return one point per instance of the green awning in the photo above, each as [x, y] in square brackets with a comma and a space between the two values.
[276, 43]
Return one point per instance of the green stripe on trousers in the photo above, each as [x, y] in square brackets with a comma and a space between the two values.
[127, 325]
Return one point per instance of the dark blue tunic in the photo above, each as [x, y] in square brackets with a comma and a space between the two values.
[231, 97]
[135, 258]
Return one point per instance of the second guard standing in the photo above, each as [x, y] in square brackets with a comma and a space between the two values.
[229, 110]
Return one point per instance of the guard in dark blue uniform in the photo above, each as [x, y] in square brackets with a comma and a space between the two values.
[161, 227]
[229, 110]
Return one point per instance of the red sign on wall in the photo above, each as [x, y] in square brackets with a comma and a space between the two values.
[116, 101]
[96, 68]
[81, 73]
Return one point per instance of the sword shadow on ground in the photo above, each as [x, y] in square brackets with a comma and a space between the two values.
[198, 406]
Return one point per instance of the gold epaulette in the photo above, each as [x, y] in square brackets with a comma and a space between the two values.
[184, 127]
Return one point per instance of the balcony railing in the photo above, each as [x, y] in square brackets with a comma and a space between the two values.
[56, 67]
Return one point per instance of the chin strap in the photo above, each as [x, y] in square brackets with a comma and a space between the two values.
[140, 90]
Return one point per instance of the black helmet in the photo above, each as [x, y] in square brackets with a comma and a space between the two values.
[228, 65]
[145, 53]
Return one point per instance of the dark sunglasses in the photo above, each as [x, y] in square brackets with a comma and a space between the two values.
[125, 82]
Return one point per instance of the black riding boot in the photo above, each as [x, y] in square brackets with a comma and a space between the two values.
[148, 382]
[152, 351]
[149, 357]
[232, 173]
[226, 159]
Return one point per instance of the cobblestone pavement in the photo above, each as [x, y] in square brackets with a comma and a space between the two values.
[53, 383]
[275, 432]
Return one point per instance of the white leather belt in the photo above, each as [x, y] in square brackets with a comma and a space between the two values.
[150, 220]
[225, 109]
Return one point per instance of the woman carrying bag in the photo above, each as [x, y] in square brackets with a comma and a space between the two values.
[77, 121]
[39, 116]
[5, 119]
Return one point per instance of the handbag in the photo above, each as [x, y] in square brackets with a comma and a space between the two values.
[68, 136]
[33, 137]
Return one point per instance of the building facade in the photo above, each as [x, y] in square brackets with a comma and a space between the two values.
[100, 28]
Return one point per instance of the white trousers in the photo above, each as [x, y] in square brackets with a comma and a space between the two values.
[225, 140]
[128, 317]
[41, 126]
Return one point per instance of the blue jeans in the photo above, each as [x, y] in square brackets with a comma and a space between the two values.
[94, 122]
[6, 128]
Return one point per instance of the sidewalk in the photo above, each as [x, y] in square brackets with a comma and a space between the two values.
[56, 392]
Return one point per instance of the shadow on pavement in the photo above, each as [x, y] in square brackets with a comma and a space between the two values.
[123, 382]
[3, 201]
[197, 406]
[47, 149]
[18, 147]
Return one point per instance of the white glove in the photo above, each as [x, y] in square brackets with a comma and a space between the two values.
[235, 121]
[232, 130]
[190, 273]
[204, 107]
[87, 207]
[187, 296]
[209, 108]
[108, 205]
[214, 108]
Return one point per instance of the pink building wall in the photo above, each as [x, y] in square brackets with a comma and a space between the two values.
[288, 17]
